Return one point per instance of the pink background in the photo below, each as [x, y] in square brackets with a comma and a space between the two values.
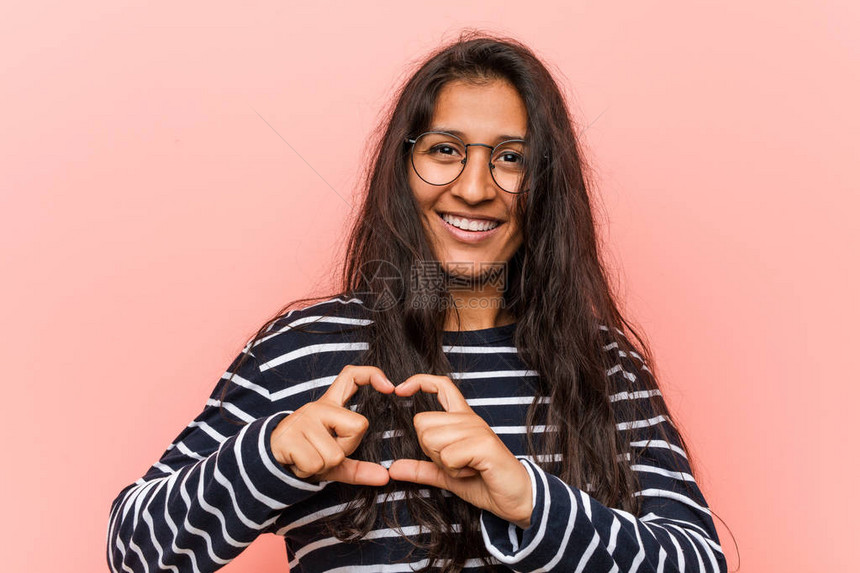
[151, 220]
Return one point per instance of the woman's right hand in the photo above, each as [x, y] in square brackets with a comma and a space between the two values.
[315, 440]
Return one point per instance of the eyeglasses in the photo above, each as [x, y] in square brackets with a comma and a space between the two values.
[439, 158]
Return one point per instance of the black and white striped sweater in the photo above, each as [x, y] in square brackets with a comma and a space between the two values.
[218, 486]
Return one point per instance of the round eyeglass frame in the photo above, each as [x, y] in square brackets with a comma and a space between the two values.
[413, 140]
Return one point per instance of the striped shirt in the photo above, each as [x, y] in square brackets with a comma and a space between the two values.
[218, 485]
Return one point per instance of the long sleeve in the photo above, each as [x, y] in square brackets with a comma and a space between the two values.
[571, 531]
[215, 489]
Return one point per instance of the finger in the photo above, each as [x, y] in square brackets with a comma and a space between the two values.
[437, 436]
[304, 459]
[434, 434]
[428, 451]
[456, 453]
[349, 427]
[357, 472]
[456, 421]
[346, 383]
[446, 392]
[326, 446]
[436, 458]
[470, 454]
[419, 471]
[465, 472]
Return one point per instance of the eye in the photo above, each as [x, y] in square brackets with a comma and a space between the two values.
[443, 149]
[509, 157]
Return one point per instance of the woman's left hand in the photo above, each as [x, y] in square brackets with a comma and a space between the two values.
[469, 459]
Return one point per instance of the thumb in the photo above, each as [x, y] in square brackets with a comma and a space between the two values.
[357, 472]
[420, 471]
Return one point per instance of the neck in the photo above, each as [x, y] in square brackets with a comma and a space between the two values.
[477, 309]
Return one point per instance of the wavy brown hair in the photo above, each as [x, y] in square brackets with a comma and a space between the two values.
[556, 284]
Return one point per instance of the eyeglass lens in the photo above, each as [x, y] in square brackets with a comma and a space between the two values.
[439, 158]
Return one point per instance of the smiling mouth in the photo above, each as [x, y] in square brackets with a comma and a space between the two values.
[469, 224]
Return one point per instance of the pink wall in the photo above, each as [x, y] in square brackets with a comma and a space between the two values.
[152, 219]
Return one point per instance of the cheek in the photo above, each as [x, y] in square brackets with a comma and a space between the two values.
[423, 204]
[415, 188]
[424, 195]
[517, 213]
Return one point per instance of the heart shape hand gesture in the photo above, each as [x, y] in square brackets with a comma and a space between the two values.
[315, 440]
[467, 457]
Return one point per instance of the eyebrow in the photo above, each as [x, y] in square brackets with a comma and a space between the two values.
[462, 135]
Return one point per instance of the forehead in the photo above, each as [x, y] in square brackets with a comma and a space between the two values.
[481, 112]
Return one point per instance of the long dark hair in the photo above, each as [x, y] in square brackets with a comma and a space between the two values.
[557, 290]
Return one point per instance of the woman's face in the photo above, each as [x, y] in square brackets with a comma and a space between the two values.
[488, 114]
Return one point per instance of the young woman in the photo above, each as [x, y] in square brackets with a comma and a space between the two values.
[471, 399]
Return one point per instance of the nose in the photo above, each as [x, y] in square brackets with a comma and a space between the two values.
[475, 184]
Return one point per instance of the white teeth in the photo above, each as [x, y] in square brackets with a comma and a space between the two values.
[470, 224]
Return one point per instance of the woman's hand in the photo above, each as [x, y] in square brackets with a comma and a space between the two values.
[315, 440]
[469, 459]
